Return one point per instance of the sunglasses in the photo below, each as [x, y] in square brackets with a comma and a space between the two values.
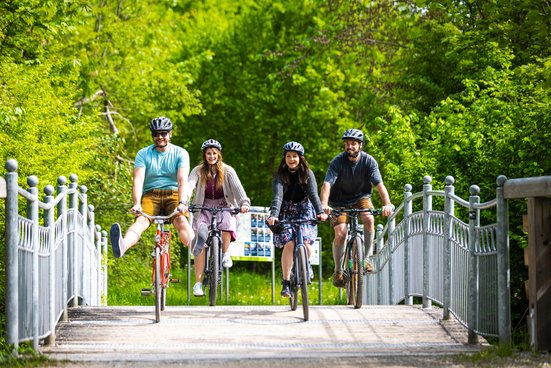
[160, 134]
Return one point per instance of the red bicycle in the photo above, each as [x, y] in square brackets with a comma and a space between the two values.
[160, 277]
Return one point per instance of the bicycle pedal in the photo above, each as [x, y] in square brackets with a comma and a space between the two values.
[175, 280]
[146, 292]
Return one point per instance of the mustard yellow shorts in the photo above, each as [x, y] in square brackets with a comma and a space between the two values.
[161, 201]
[342, 219]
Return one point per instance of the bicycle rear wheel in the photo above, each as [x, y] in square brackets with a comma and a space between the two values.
[355, 284]
[157, 285]
[214, 263]
[303, 269]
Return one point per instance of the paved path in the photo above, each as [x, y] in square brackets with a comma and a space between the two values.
[128, 335]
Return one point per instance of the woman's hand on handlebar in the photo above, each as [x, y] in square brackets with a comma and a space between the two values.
[322, 216]
[244, 209]
[271, 220]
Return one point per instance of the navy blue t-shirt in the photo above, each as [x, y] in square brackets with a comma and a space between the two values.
[352, 181]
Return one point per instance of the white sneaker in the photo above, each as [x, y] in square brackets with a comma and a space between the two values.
[198, 289]
[226, 260]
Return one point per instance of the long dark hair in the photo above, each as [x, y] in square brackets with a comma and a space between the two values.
[303, 171]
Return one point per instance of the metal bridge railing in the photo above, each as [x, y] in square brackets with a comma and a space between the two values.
[55, 257]
[435, 255]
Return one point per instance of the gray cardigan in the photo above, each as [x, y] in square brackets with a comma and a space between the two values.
[234, 192]
[279, 188]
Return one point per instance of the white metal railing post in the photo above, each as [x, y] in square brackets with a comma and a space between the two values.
[49, 222]
[12, 256]
[73, 239]
[379, 277]
[427, 206]
[448, 214]
[83, 243]
[503, 265]
[62, 213]
[104, 264]
[407, 242]
[32, 214]
[472, 315]
[390, 247]
[94, 291]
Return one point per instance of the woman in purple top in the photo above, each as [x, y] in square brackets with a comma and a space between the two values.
[216, 185]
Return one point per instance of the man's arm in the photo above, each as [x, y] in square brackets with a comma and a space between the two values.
[182, 176]
[385, 198]
[324, 196]
[137, 188]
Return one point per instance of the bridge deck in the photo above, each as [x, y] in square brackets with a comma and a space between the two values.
[129, 334]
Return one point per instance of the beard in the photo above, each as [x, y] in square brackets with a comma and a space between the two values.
[352, 154]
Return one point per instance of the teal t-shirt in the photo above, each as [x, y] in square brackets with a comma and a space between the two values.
[161, 167]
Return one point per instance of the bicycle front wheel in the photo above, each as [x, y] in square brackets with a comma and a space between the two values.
[303, 269]
[355, 264]
[214, 263]
[165, 267]
[293, 296]
[158, 286]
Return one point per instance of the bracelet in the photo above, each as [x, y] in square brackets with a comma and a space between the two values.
[184, 203]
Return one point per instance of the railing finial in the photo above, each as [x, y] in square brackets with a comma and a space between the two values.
[427, 179]
[11, 165]
[49, 189]
[32, 181]
[449, 180]
[474, 190]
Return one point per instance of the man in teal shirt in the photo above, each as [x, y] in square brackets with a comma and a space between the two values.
[160, 185]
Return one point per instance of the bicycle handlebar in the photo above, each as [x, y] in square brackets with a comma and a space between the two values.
[158, 217]
[196, 208]
[313, 221]
[371, 211]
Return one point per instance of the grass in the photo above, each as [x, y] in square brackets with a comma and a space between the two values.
[245, 288]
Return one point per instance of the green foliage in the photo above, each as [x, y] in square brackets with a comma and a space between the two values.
[440, 88]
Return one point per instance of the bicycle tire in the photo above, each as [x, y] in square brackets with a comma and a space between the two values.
[303, 269]
[355, 284]
[157, 284]
[293, 292]
[214, 263]
[165, 267]
[164, 282]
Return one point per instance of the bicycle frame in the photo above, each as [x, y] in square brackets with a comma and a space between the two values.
[213, 250]
[354, 268]
[160, 277]
[299, 274]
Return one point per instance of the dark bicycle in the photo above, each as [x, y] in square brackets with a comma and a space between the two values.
[160, 278]
[213, 250]
[353, 265]
[299, 272]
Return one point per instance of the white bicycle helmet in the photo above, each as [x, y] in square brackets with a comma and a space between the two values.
[293, 146]
[160, 124]
[211, 143]
[353, 134]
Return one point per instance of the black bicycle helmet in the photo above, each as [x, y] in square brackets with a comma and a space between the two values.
[160, 124]
[211, 143]
[293, 146]
[353, 134]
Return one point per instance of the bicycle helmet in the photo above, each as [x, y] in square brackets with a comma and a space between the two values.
[160, 123]
[353, 134]
[211, 143]
[293, 146]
